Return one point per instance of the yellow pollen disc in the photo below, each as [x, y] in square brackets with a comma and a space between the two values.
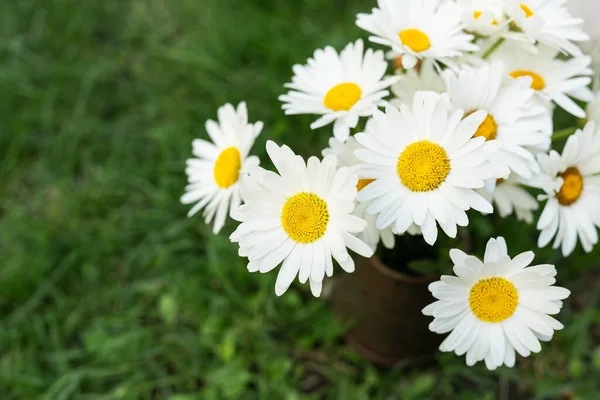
[571, 188]
[227, 167]
[423, 166]
[304, 217]
[528, 11]
[342, 97]
[538, 82]
[362, 183]
[493, 299]
[488, 128]
[477, 14]
[415, 40]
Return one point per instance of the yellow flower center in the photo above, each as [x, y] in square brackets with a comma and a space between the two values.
[304, 217]
[227, 167]
[423, 166]
[342, 97]
[362, 183]
[493, 299]
[572, 187]
[537, 83]
[488, 128]
[415, 40]
[528, 11]
[477, 14]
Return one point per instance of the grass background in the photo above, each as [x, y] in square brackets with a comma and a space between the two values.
[107, 291]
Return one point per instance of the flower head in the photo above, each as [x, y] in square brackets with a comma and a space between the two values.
[300, 217]
[495, 307]
[214, 175]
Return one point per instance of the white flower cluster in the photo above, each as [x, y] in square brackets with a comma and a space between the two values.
[465, 122]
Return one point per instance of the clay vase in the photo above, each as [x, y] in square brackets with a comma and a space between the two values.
[385, 308]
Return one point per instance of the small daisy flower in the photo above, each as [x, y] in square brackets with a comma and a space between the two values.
[426, 165]
[300, 218]
[510, 197]
[513, 117]
[341, 87]
[548, 22]
[345, 155]
[495, 307]
[553, 79]
[418, 29]
[424, 78]
[214, 175]
[572, 187]
[483, 17]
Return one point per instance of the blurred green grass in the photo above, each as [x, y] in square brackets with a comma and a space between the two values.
[107, 291]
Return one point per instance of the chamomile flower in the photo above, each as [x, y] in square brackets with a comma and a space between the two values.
[495, 307]
[418, 29]
[299, 218]
[572, 187]
[548, 22]
[513, 117]
[341, 87]
[214, 175]
[424, 78]
[509, 197]
[484, 17]
[426, 165]
[553, 79]
[345, 155]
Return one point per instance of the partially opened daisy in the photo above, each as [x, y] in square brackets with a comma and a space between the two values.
[484, 17]
[300, 217]
[572, 187]
[418, 29]
[345, 155]
[509, 196]
[495, 307]
[424, 78]
[341, 87]
[548, 22]
[214, 175]
[426, 165]
[514, 118]
[553, 79]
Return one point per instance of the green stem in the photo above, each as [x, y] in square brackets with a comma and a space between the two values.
[563, 133]
[493, 48]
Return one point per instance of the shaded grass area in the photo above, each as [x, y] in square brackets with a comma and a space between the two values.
[107, 291]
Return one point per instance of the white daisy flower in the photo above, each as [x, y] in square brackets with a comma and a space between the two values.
[424, 78]
[418, 29]
[484, 17]
[572, 187]
[548, 22]
[300, 218]
[495, 307]
[341, 87]
[553, 79]
[426, 163]
[214, 175]
[345, 154]
[514, 119]
[510, 197]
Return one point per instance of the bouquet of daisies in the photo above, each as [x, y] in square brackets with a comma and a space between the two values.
[465, 122]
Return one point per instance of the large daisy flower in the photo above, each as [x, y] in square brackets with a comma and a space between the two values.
[426, 165]
[214, 175]
[418, 29]
[495, 307]
[345, 154]
[341, 87]
[572, 187]
[509, 196]
[424, 78]
[514, 119]
[300, 218]
[553, 79]
[548, 22]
